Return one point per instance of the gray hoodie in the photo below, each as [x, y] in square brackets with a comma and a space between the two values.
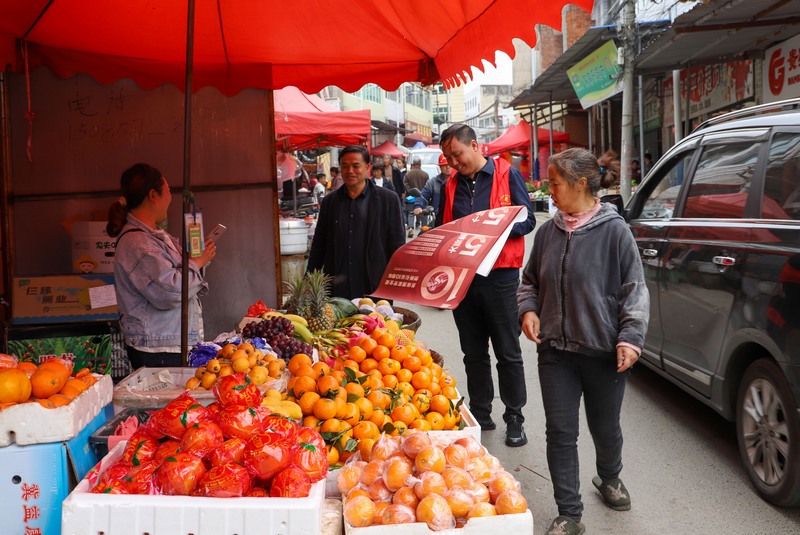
[586, 286]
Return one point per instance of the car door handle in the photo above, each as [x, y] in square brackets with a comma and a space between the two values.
[724, 260]
[649, 252]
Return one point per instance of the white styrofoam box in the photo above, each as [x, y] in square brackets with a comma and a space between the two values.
[488, 525]
[472, 428]
[90, 241]
[332, 517]
[30, 423]
[294, 236]
[153, 388]
[84, 513]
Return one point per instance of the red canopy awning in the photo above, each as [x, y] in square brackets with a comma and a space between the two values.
[269, 45]
[304, 121]
[518, 137]
[387, 147]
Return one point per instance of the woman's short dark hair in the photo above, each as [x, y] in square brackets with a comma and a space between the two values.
[135, 185]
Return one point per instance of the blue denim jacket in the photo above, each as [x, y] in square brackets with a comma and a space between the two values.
[147, 278]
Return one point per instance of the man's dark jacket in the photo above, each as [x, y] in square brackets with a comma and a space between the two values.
[385, 234]
[397, 180]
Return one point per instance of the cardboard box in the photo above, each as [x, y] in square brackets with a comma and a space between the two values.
[87, 345]
[92, 248]
[85, 513]
[35, 479]
[59, 299]
[30, 423]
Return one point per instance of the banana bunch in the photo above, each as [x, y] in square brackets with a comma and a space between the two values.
[300, 324]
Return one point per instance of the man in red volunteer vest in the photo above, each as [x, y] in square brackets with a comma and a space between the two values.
[489, 310]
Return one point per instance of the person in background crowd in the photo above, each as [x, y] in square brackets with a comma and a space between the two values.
[395, 175]
[147, 271]
[488, 311]
[431, 193]
[321, 187]
[359, 227]
[380, 180]
[416, 177]
[336, 178]
[636, 173]
[584, 301]
[648, 163]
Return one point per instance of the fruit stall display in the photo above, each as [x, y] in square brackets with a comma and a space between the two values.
[51, 384]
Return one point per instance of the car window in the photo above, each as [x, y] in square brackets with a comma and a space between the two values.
[660, 204]
[722, 180]
[782, 179]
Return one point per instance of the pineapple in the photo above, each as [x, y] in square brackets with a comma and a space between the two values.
[297, 289]
[320, 315]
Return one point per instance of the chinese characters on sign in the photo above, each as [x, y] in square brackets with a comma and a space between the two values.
[30, 511]
[436, 268]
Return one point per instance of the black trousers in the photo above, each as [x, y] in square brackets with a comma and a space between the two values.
[152, 360]
[489, 312]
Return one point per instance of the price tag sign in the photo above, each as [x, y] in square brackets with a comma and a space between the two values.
[194, 234]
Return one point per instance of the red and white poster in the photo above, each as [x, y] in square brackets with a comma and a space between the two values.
[436, 268]
[781, 71]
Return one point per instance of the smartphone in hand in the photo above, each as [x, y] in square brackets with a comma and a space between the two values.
[216, 232]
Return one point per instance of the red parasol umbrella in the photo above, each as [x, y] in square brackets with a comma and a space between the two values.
[237, 44]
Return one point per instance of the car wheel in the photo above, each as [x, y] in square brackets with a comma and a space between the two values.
[768, 431]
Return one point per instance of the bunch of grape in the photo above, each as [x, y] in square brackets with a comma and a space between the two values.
[277, 332]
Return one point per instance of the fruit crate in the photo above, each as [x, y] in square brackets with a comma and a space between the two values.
[471, 428]
[85, 513]
[30, 423]
[489, 525]
[153, 388]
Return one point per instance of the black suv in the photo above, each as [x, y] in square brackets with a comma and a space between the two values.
[717, 222]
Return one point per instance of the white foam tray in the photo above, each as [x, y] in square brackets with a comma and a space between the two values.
[84, 513]
[30, 423]
[153, 388]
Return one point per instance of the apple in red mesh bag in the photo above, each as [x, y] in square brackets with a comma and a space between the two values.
[237, 389]
[266, 454]
[167, 448]
[202, 438]
[140, 448]
[229, 451]
[111, 481]
[230, 480]
[291, 482]
[240, 421]
[285, 427]
[309, 454]
[257, 492]
[140, 479]
[178, 475]
[181, 413]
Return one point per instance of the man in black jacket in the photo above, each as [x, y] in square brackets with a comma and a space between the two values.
[359, 228]
[393, 173]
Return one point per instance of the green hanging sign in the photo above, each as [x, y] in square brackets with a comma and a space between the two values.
[598, 76]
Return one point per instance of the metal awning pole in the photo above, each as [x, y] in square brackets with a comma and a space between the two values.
[187, 160]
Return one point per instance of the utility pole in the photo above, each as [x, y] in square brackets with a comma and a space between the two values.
[496, 115]
[628, 42]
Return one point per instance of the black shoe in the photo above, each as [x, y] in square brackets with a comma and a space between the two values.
[486, 424]
[515, 434]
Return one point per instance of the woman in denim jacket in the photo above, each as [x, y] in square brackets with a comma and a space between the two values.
[584, 301]
[147, 271]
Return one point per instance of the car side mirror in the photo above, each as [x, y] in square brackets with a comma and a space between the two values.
[616, 200]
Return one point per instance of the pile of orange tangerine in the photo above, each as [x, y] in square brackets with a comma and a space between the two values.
[414, 479]
[51, 384]
[380, 387]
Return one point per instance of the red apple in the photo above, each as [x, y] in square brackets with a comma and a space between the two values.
[240, 421]
[230, 480]
[291, 482]
[179, 474]
[266, 454]
[202, 438]
[231, 450]
[237, 389]
[181, 413]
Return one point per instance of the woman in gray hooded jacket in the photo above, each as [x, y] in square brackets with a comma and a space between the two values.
[584, 301]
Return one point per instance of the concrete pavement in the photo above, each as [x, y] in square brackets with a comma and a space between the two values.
[681, 461]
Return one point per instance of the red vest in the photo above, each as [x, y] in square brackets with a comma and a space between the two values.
[514, 250]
